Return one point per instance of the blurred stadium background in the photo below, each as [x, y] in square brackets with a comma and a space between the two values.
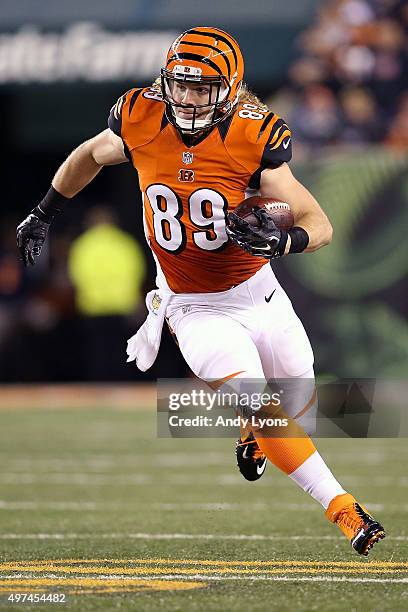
[336, 70]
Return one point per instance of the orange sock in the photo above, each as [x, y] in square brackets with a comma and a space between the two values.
[289, 452]
[286, 453]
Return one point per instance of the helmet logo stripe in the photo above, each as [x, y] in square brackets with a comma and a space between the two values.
[223, 38]
[216, 51]
[196, 58]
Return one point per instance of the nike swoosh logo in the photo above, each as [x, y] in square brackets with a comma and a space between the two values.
[261, 468]
[245, 453]
[215, 384]
[286, 144]
[360, 533]
[268, 299]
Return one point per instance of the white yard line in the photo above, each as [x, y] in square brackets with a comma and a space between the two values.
[65, 478]
[274, 578]
[103, 461]
[63, 506]
[171, 459]
[120, 479]
[162, 507]
[57, 506]
[173, 536]
[224, 479]
[206, 577]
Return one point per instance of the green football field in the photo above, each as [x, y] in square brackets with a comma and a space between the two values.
[93, 506]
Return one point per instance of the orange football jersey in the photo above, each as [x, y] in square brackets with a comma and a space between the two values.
[188, 191]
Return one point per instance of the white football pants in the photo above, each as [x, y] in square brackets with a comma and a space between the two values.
[251, 329]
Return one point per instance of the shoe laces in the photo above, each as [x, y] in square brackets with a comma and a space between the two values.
[352, 517]
[254, 452]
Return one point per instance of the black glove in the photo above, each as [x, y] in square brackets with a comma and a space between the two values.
[31, 234]
[264, 241]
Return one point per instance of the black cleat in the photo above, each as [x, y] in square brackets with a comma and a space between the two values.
[250, 459]
[369, 533]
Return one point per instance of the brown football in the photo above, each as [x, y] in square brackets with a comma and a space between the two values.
[279, 211]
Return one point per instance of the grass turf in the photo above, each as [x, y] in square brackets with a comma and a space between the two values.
[101, 502]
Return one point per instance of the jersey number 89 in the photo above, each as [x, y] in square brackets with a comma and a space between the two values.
[207, 211]
[250, 111]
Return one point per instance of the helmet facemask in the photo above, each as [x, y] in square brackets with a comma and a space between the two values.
[203, 116]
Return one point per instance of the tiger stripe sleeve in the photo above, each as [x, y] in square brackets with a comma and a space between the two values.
[115, 118]
[278, 148]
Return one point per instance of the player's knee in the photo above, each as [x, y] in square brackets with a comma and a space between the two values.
[299, 400]
[308, 421]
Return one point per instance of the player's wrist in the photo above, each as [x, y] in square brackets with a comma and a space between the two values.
[299, 239]
[282, 244]
[293, 241]
[52, 204]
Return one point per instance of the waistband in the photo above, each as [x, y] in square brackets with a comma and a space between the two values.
[262, 275]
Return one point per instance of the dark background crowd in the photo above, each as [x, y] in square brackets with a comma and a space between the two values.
[349, 85]
[345, 87]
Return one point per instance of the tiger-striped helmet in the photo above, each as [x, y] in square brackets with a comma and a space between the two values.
[208, 57]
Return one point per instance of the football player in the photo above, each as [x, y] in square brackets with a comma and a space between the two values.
[200, 142]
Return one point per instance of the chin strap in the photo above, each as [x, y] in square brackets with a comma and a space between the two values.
[186, 124]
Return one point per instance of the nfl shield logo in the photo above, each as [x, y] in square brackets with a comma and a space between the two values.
[187, 157]
[156, 301]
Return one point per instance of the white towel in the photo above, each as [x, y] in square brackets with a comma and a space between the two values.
[144, 345]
